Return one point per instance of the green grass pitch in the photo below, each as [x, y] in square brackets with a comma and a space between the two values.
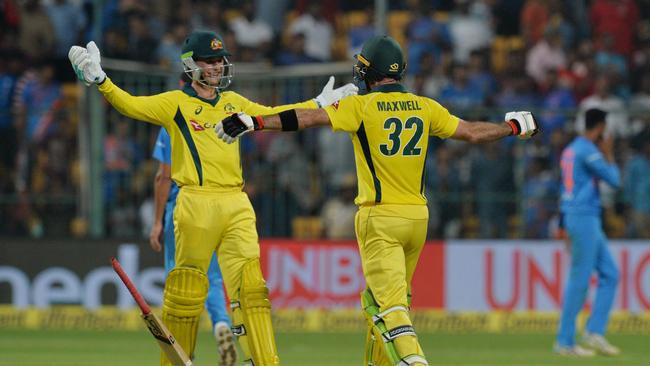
[129, 348]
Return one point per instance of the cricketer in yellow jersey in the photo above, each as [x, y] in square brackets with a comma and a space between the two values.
[389, 128]
[212, 213]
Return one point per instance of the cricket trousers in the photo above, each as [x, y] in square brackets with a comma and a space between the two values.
[216, 301]
[589, 253]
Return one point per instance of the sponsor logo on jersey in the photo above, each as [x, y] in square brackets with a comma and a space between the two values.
[196, 125]
[336, 105]
[198, 110]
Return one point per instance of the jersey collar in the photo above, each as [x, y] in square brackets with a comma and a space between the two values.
[187, 89]
[387, 88]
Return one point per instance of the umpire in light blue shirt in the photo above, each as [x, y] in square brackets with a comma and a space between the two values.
[585, 161]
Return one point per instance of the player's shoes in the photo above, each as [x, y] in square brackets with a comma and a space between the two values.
[225, 344]
[573, 351]
[599, 344]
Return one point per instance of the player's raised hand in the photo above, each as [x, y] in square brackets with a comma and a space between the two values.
[523, 124]
[86, 63]
[237, 124]
[329, 95]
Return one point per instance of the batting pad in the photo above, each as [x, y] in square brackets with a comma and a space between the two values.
[184, 297]
[392, 332]
[252, 318]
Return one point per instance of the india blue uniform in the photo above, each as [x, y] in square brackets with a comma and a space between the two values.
[583, 165]
[216, 302]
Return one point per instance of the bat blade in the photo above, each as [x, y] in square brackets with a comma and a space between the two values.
[163, 336]
[166, 341]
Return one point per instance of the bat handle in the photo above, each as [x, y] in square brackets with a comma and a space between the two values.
[130, 286]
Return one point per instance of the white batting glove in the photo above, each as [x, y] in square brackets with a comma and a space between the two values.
[234, 126]
[86, 63]
[329, 95]
[523, 124]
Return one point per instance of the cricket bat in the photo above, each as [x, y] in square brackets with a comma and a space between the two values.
[163, 336]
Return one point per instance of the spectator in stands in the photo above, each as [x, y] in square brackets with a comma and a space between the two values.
[37, 100]
[546, 54]
[319, 33]
[480, 76]
[559, 19]
[432, 77]
[210, 16]
[444, 187]
[251, 33]
[637, 186]
[142, 44]
[540, 194]
[618, 18]
[120, 158]
[69, 22]
[602, 98]
[557, 104]
[425, 35]
[36, 37]
[609, 61]
[492, 181]
[533, 21]
[170, 47]
[517, 91]
[460, 93]
[339, 210]
[468, 31]
[293, 52]
[360, 33]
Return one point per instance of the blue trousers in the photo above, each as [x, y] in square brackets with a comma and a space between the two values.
[215, 303]
[589, 252]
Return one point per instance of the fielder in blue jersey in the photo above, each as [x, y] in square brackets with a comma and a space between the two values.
[165, 191]
[587, 160]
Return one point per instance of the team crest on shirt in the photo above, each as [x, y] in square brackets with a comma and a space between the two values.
[196, 125]
[216, 44]
[229, 108]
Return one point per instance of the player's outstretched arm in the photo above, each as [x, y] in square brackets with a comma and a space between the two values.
[238, 124]
[521, 124]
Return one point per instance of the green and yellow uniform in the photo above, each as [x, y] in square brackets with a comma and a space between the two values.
[212, 213]
[389, 128]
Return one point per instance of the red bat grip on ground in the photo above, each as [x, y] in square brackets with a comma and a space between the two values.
[127, 281]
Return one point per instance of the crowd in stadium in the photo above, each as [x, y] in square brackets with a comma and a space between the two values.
[476, 57]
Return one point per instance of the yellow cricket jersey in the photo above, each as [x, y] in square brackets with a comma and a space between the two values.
[389, 128]
[199, 157]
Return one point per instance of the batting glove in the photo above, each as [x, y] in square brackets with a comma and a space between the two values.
[237, 124]
[86, 63]
[523, 124]
[329, 95]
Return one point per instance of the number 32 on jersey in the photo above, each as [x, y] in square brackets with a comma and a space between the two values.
[397, 127]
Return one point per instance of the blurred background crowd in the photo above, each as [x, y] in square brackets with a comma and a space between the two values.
[479, 58]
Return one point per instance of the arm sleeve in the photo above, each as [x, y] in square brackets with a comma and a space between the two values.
[157, 109]
[602, 169]
[346, 114]
[443, 124]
